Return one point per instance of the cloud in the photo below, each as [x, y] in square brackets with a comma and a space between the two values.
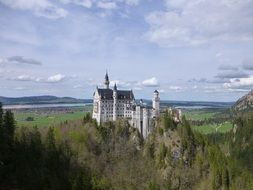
[240, 83]
[152, 82]
[43, 8]
[25, 78]
[120, 84]
[200, 80]
[56, 78]
[22, 60]
[218, 80]
[84, 3]
[106, 5]
[52, 79]
[193, 23]
[3, 61]
[132, 2]
[161, 91]
[176, 88]
[231, 75]
[228, 67]
[112, 4]
[20, 88]
[247, 64]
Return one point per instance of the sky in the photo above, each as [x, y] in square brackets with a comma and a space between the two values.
[194, 50]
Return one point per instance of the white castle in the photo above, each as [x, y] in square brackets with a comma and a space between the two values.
[111, 104]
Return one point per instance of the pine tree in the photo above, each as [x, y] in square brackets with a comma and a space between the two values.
[1, 115]
[7, 148]
[226, 180]
[50, 141]
[8, 128]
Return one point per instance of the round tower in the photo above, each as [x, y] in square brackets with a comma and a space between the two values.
[115, 99]
[107, 82]
[156, 103]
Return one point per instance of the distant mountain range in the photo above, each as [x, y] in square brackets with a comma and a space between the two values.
[245, 103]
[42, 100]
[69, 100]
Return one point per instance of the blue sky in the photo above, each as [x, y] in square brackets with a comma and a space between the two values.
[187, 49]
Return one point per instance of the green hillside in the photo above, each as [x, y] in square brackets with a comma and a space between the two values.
[82, 155]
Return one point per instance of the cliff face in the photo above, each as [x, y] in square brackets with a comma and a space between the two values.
[245, 103]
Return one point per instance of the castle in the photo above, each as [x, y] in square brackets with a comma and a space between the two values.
[111, 104]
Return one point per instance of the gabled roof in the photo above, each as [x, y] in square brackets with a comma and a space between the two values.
[107, 94]
[125, 94]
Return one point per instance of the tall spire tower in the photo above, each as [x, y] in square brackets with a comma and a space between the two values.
[107, 82]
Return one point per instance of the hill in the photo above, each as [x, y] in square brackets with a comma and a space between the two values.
[245, 103]
[82, 155]
[41, 100]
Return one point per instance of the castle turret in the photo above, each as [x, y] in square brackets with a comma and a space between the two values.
[156, 103]
[107, 82]
[115, 99]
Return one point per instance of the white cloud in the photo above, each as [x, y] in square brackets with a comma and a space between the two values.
[3, 61]
[42, 8]
[52, 79]
[20, 88]
[112, 4]
[132, 2]
[25, 78]
[120, 84]
[84, 3]
[195, 22]
[152, 82]
[56, 78]
[176, 88]
[240, 83]
[106, 5]
[161, 91]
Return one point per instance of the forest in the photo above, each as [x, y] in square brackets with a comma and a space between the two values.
[82, 155]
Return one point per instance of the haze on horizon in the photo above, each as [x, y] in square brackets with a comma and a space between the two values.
[188, 50]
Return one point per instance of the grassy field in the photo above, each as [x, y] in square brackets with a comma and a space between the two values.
[200, 115]
[54, 116]
[45, 120]
[212, 128]
[48, 117]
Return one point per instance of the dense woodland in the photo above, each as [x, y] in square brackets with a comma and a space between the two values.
[82, 155]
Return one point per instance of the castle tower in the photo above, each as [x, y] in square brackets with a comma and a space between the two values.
[115, 97]
[156, 103]
[107, 82]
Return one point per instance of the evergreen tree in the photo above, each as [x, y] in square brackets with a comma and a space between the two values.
[50, 140]
[1, 115]
[226, 180]
[8, 128]
[7, 149]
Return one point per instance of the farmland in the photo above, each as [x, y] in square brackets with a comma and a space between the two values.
[206, 116]
[44, 117]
